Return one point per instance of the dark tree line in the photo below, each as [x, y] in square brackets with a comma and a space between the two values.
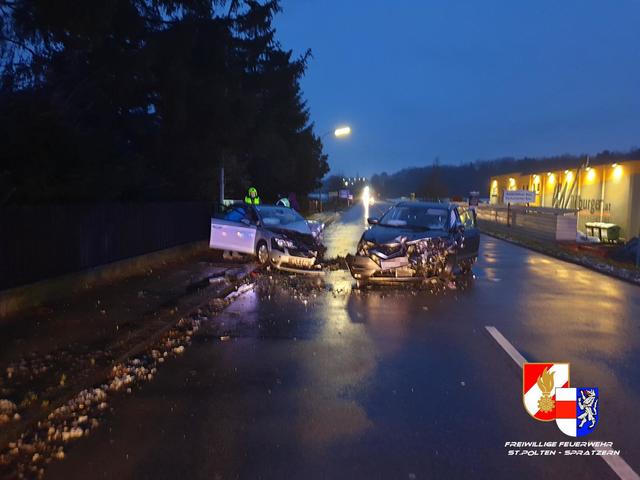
[135, 100]
[441, 181]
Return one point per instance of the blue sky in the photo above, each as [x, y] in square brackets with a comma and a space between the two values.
[467, 79]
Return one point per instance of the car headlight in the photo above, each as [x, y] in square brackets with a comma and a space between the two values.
[283, 242]
[364, 246]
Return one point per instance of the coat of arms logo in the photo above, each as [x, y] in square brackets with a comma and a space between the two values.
[547, 396]
[539, 383]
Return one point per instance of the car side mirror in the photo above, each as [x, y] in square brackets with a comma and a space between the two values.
[373, 220]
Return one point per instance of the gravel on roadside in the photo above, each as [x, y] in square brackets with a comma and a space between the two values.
[84, 343]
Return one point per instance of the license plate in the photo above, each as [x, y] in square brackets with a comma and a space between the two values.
[394, 263]
[300, 262]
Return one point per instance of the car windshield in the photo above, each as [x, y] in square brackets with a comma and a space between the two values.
[415, 216]
[282, 217]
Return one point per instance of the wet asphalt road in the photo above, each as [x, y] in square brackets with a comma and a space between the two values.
[323, 381]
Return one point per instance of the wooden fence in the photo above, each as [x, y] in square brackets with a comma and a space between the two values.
[40, 242]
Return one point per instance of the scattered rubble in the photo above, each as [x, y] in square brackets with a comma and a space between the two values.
[337, 263]
[78, 417]
[8, 411]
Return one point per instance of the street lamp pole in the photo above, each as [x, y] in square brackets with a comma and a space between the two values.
[339, 132]
[638, 251]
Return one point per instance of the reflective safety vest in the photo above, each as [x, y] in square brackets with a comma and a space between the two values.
[252, 201]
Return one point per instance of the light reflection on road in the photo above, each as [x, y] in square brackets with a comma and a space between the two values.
[346, 358]
[342, 238]
[350, 383]
[557, 309]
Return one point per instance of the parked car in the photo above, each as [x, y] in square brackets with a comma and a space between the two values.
[416, 240]
[277, 236]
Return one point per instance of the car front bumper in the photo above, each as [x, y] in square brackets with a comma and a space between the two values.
[397, 269]
[296, 264]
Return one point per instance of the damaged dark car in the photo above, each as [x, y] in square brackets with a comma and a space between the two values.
[414, 241]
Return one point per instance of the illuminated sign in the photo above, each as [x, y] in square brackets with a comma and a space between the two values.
[519, 196]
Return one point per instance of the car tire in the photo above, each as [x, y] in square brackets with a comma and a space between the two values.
[262, 252]
[467, 265]
[216, 255]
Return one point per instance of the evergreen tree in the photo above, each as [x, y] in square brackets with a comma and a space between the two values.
[139, 99]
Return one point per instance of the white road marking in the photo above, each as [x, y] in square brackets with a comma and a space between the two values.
[506, 346]
[616, 463]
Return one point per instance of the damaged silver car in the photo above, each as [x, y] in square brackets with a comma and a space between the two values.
[414, 241]
[277, 236]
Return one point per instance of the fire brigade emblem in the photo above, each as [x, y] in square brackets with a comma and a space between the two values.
[539, 383]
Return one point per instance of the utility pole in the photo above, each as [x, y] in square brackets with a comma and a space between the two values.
[221, 189]
[638, 251]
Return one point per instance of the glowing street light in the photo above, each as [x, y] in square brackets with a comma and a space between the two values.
[339, 132]
[342, 132]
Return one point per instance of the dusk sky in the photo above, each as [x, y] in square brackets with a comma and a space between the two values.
[467, 80]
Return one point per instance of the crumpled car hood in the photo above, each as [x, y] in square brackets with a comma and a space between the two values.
[315, 227]
[303, 239]
[379, 234]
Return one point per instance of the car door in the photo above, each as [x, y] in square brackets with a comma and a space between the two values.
[234, 230]
[471, 232]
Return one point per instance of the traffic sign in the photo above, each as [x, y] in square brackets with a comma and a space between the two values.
[519, 196]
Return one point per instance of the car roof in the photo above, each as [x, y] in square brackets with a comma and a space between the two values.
[424, 204]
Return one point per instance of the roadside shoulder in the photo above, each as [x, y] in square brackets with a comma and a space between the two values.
[631, 275]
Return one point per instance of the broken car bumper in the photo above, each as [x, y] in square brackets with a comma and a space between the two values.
[395, 269]
[296, 264]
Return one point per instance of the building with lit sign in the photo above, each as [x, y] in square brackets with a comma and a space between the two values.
[601, 192]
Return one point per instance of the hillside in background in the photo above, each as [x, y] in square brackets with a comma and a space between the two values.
[438, 181]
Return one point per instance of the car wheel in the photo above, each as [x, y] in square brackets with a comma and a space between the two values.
[216, 255]
[262, 252]
[467, 265]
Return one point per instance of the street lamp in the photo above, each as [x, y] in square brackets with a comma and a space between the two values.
[342, 132]
[339, 132]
